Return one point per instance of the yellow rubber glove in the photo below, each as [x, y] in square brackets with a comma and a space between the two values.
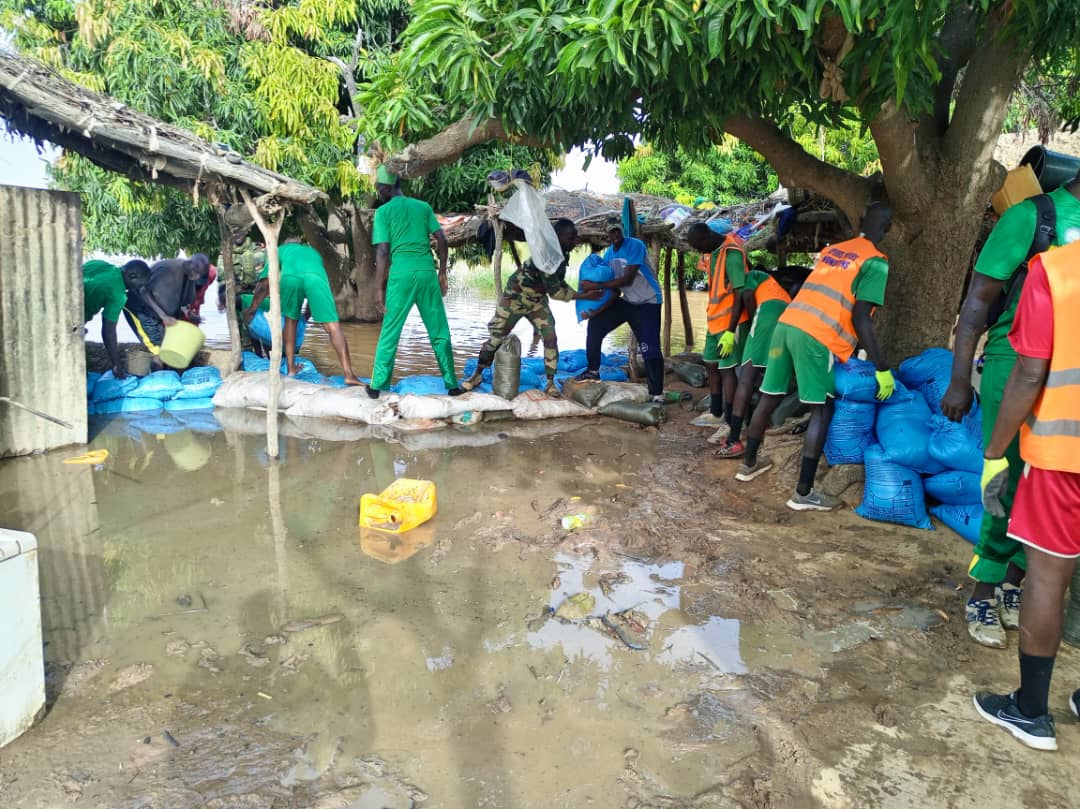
[886, 385]
[995, 478]
[727, 343]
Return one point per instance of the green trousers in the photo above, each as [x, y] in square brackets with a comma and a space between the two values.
[403, 291]
[995, 550]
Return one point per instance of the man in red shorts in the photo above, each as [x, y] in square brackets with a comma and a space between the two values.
[1042, 401]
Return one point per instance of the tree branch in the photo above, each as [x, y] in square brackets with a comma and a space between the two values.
[906, 182]
[423, 157]
[957, 40]
[797, 167]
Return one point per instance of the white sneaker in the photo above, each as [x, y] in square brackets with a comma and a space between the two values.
[1008, 598]
[983, 623]
[720, 436]
[707, 419]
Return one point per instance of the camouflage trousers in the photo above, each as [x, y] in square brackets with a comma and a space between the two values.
[511, 309]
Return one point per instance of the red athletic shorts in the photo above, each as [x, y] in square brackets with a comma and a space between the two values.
[1046, 511]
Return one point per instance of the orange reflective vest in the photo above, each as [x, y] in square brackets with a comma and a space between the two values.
[721, 295]
[825, 304]
[770, 290]
[1051, 437]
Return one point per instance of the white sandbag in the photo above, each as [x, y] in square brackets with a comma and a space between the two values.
[242, 421]
[536, 430]
[413, 406]
[534, 404]
[623, 392]
[351, 404]
[252, 389]
[330, 429]
[419, 425]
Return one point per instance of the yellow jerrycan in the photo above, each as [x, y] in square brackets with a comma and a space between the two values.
[400, 507]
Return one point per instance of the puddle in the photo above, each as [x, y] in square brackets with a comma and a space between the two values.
[248, 585]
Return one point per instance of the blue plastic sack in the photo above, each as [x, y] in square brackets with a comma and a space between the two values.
[902, 427]
[129, 404]
[929, 373]
[855, 380]
[199, 421]
[528, 380]
[161, 385]
[420, 385]
[617, 359]
[91, 380]
[958, 445]
[260, 329]
[892, 493]
[954, 488]
[609, 373]
[851, 431]
[314, 377]
[964, 520]
[199, 383]
[302, 364]
[109, 388]
[160, 423]
[594, 269]
[180, 405]
[253, 362]
[573, 361]
[534, 365]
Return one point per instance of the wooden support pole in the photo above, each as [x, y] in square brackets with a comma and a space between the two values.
[684, 303]
[667, 302]
[496, 258]
[270, 231]
[226, 271]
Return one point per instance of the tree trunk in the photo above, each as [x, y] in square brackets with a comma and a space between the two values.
[667, 302]
[227, 275]
[496, 259]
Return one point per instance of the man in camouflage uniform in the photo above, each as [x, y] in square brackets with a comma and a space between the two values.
[248, 260]
[526, 296]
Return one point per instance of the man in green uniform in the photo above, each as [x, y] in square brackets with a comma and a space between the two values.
[526, 296]
[104, 291]
[303, 277]
[405, 276]
[999, 563]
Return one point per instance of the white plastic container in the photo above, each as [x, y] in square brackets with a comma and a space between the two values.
[22, 665]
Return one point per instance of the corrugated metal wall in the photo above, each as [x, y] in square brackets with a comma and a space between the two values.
[42, 353]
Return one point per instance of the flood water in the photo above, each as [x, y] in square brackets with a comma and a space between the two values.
[191, 554]
[468, 311]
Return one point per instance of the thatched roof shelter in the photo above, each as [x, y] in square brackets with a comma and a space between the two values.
[38, 102]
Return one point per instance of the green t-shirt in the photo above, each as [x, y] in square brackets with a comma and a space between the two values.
[869, 284]
[405, 224]
[297, 260]
[735, 266]
[103, 290]
[754, 279]
[1007, 248]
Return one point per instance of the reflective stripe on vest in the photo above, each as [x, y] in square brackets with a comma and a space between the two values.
[721, 295]
[770, 290]
[825, 304]
[1050, 439]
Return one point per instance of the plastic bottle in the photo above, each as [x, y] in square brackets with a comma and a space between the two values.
[572, 522]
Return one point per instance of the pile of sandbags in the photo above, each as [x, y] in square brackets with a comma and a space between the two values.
[910, 450]
[161, 390]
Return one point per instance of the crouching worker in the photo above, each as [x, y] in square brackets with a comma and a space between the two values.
[830, 316]
[1042, 403]
[104, 291]
[303, 277]
[639, 306]
[158, 296]
[526, 296]
[765, 298]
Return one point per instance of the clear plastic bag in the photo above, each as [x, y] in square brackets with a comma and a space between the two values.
[528, 210]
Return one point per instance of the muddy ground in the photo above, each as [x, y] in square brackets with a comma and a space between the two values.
[224, 636]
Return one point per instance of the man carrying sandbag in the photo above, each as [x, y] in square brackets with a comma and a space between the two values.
[1023, 231]
[830, 316]
[728, 322]
[405, 276]
[303, 277]
[1041, 402]
[104, 291]
[526, 296]
[639, 305]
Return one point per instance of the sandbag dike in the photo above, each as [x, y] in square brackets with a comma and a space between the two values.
[414, 413]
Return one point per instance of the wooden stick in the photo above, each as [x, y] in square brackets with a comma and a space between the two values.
[235, 349]
[496, 259]
[667, 302]
[270, 231]
[684, 303]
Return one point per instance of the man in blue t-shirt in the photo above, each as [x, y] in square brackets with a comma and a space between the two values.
[639, 305]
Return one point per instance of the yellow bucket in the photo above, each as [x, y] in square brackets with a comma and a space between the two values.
[180, 345]
[400, 507]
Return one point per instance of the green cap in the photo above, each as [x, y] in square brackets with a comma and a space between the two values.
[383, 176]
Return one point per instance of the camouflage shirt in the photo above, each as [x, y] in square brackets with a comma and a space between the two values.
[531, 285]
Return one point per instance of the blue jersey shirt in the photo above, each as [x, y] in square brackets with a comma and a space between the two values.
[645, 288]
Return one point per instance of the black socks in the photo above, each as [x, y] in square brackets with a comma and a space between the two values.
[716, 405]
[1033, 697]
[752, 447]
[735, 422]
